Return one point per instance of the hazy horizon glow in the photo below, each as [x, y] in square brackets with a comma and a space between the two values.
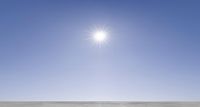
[152, 51]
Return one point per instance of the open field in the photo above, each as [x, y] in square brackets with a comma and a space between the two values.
[99, 104]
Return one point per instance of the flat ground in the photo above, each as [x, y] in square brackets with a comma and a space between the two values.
[99, 104]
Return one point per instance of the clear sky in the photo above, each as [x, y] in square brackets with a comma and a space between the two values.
[153, 51]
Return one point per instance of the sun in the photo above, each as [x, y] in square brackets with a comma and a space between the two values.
[100, 36]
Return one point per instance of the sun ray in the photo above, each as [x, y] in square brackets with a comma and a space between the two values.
[99, 35]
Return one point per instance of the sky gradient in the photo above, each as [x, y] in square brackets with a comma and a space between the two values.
[153, 51]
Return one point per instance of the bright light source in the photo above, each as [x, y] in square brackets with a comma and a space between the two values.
[100, 36]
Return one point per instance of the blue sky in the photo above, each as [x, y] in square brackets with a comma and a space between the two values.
[153, 51]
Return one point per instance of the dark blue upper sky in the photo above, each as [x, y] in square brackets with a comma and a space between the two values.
[153, 52]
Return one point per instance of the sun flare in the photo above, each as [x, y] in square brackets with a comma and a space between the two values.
[100, 36]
